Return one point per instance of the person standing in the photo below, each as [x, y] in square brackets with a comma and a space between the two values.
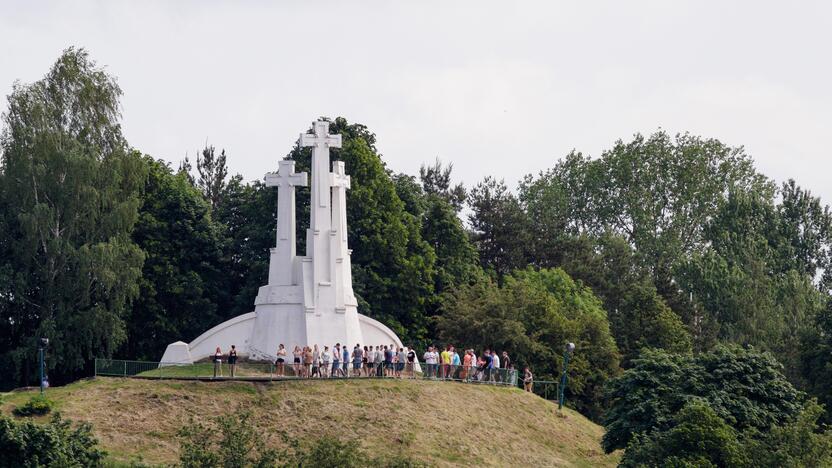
[345, 362]
[466, 366]
[400, 360]
[357, 357]
[316, 362]
[445, 359]
[496, 373]
[379, 362]
[232, 361]
[428, 358]
[364, 361]
[307, 362]
[336, 360]
[326, 360]
[297, 353]
[280, 361]
[486, 359]
[456, 362]
[218, 362]
[528, 379]
[411, 362]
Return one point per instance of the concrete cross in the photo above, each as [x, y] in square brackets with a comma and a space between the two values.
[320, 142]
[340, 182]
[286, 179]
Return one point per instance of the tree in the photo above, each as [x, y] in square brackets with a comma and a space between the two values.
[249, 220]
[70, 189]
[501, 228]
[436, 180]
[816, 359]
[212, 174]
[639, 317]
[532, 316]
[56, 443]
[183, 286]
[743, 289]
[698, 438]
[744, 387]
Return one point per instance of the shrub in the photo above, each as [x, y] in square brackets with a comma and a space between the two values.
[232, 440]
[57, 443]
[38, 405]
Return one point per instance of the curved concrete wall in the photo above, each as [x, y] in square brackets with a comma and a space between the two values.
[239, 330]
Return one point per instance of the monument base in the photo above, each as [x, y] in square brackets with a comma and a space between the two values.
[240, 332]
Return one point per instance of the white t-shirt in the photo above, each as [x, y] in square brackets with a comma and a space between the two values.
[495, 360]
[326, 356]
[431, 357]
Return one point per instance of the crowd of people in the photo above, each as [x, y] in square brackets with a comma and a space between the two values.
[387, 361]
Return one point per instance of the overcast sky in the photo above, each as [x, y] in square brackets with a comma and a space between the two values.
[497, 88]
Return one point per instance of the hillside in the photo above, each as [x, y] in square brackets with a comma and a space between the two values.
[445, 424]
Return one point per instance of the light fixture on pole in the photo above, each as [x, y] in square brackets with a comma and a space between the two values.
[44, 342]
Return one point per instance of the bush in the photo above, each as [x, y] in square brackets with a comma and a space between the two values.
[232, 440]
[38, 405]
[57, 443]
[744, 387]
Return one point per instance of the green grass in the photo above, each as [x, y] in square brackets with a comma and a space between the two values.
[441, 423]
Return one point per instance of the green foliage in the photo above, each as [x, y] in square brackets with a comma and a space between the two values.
[182, 284]
[56, 444]
[228, 441]
[69, 191]
[698, 438]
[744, 387]
[212, 173]
[816, 359]
[639, 317]
[501, 227]
[38, 405]
[532, 316]
[248, 216]
[743, 290]
[800, 443]
[234, 441]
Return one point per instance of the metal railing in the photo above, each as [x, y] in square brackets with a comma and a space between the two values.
[267, 371]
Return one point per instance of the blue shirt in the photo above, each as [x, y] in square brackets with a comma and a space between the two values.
[346, 354]
[455, 360]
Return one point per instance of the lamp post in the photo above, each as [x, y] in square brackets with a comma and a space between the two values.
[44, 342]
[567, 352]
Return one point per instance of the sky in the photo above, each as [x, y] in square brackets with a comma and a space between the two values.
[501, 88]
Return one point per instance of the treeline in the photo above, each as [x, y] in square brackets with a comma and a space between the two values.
[664, 243]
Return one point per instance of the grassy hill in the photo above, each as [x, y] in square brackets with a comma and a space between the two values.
[445, 424]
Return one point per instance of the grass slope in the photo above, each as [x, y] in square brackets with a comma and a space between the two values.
[443, 423]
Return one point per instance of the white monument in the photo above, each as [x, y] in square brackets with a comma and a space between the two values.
[308, 300]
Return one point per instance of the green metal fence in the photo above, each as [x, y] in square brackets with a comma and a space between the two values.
[266, 371]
